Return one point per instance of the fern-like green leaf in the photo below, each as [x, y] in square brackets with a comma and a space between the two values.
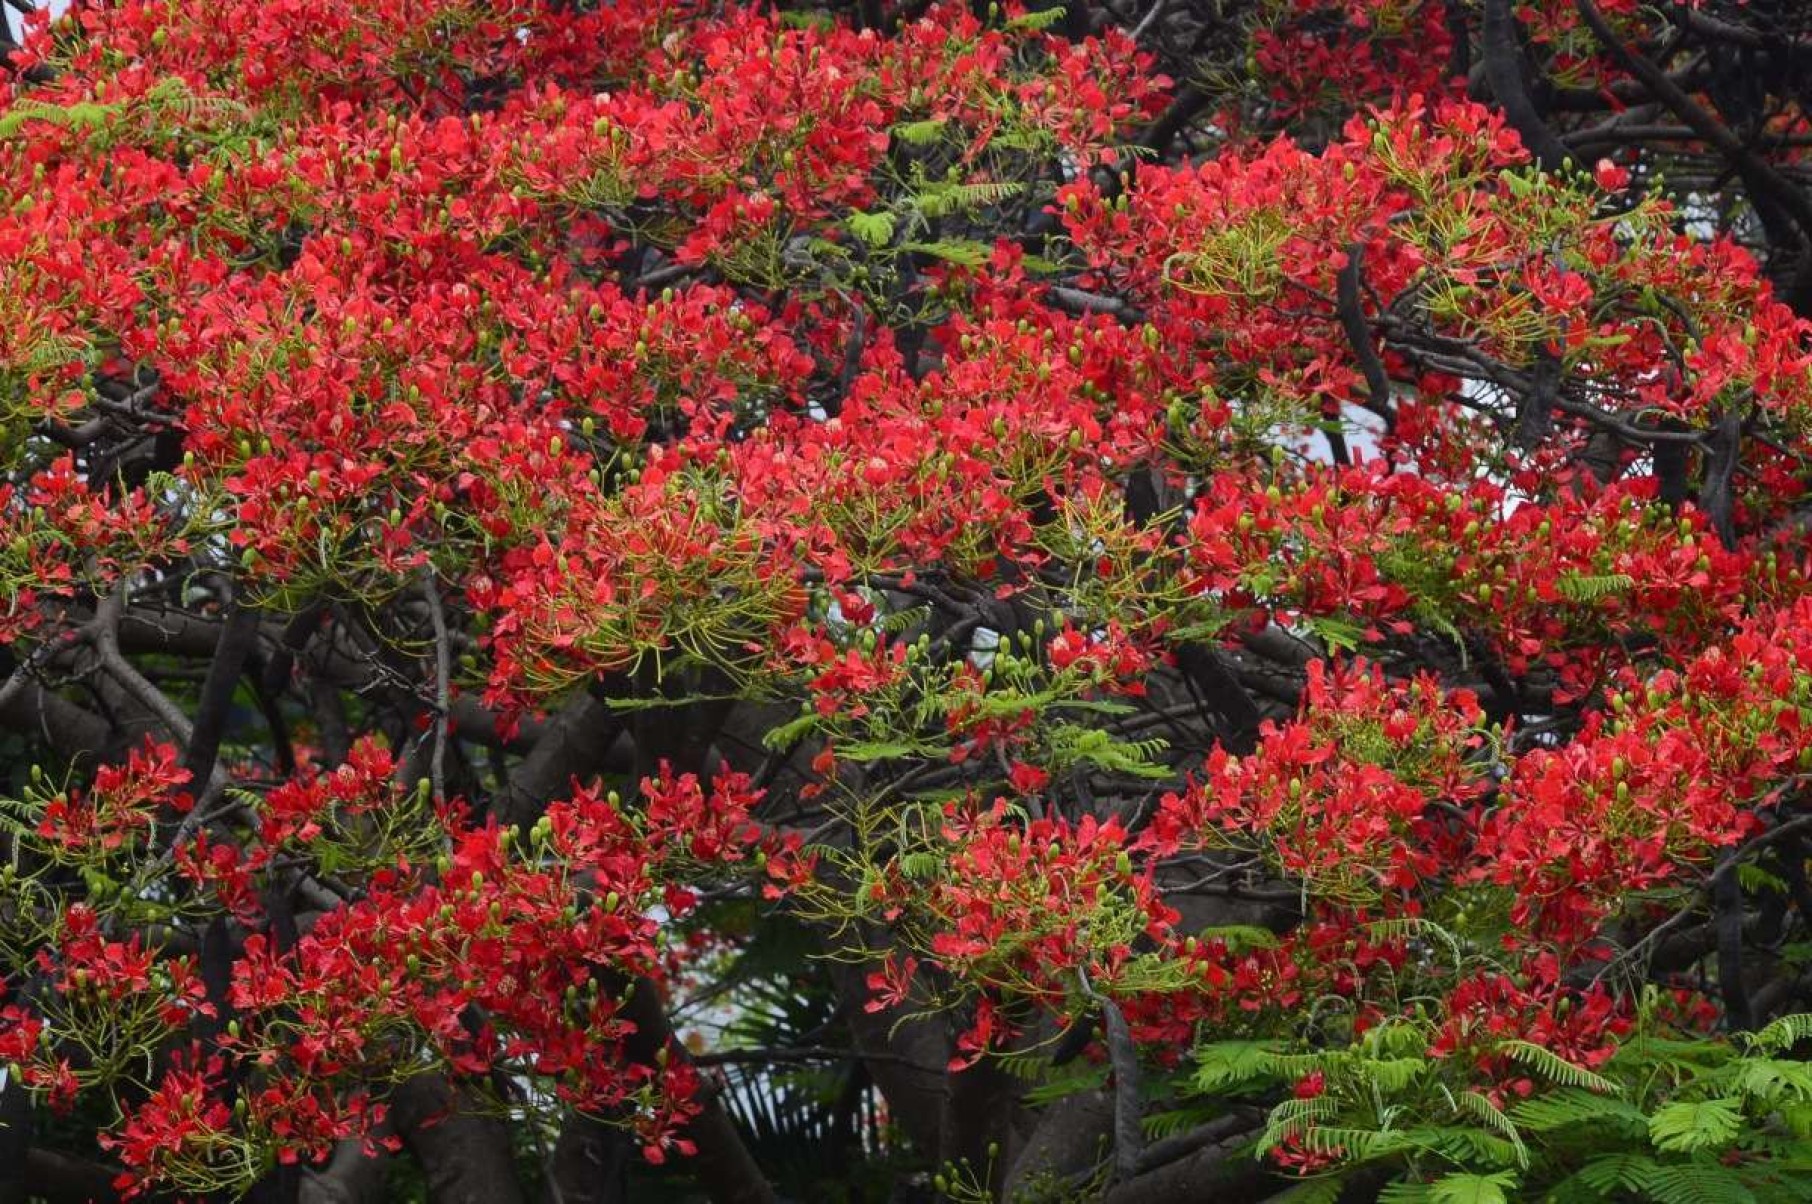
[1227, 1064]
[1467, 1145]
[1339, 634]
[1754, 879]
[877, 750]
[1080, 1077]
[1393, 1074]
[1355, 1144]
[1774, 1081]
[1492, 1117]
[792, 731]
[1575, 1106]
[941, 199]
[1555, 1068]
[20, 817]
[964, 252]
[875, 229]
[1696, 1125]
[1697, 1183]
[84, 116]
[1613, 1172]
[1584, 588]
[920, 133]
[1239, 937]
[1315, 1191]
[1172, 1121]
[1292, 1116]
[1783, 1033]
[1472, 1189]
[920, 865]
[1404, 1193]
[1038, 18]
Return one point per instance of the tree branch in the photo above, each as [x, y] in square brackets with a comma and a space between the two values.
[1760, 177]
[1502, 51]
[1350, 307]
[465, 1157]
[238, 637]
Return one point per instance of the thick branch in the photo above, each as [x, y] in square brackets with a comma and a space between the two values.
[1503, 59]
[1721, 460]
[1129, 1138]
[466, 1158]
[237, 639]
[1223, 1170]
[61, 1179]
[1727, 904]
[574, 745]
[1351, 309]
[723, 1163]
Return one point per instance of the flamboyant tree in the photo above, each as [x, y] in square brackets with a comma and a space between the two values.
[1166, 601]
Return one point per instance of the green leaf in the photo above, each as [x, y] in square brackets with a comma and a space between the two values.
[1083, 1078]
[1315, 1191]
[1172, 1121]
[1239, 937]
[1404, 1193]
[1774, 1081]
[920, 865]
[1754, 879]
[1232, 1063]
[80, 116]
[1472, 1189]
[1783, 1033]
[1697, 1183]
[875, 750]
[1038, 18]
[1394, 1074]
[1608, 1173]
[1361, 1144]
[1294, 1115]
[920, 133]
[1555, 1068]
[875, 229]
[1492, 1117]
[951, 250]
[1706, 1124]
[1342, 635]
[1580, 587]
[1575, 1106]
[792, 731]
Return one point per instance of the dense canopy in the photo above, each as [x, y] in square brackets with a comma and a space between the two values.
[1150, 601]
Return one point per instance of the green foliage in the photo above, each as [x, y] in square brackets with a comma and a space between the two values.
[1555, 1068]
[1706, 1124]
[1471, 1189]
[1576, 587]
[1668, 1119]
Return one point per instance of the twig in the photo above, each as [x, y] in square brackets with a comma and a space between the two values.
[1149, 19]
[443, 671]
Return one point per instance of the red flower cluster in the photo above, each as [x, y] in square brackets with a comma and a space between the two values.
[1365, 797]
